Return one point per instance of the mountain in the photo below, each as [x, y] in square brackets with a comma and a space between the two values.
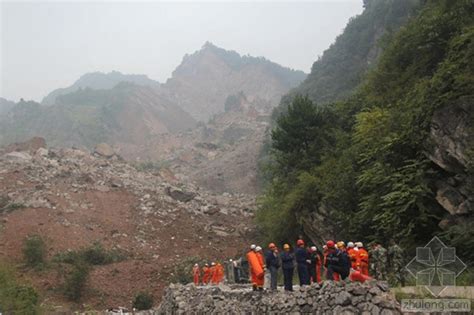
[99, 81]
[127, 113]
[203, 81]
[5, 105]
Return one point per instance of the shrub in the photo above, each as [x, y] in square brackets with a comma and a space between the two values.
[143, 301]
[34, 251]
[95, 254]
[16, 298]
[76, 281]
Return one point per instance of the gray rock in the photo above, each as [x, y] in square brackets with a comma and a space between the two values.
[105, 150]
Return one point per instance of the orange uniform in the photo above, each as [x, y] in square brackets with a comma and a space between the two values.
[219, 275]
[256, 268]
[363, 261]
[196, 275]
[353, 257]
[318, 270]
[214, 275]
[206, 274]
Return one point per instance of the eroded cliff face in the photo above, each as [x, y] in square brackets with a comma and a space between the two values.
[450, 148]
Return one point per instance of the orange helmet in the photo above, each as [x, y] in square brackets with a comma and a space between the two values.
[299, 242]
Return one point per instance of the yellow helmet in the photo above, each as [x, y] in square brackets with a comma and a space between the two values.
[286, 246]
[341, 244]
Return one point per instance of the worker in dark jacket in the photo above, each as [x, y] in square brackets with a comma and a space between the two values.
[302, 261]
[287, 264]
[273, 263]
[337, 261]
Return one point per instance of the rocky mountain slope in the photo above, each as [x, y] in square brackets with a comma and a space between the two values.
[127, 113]
[204, 80]
[5, 105]
[221, 155]
[99, 81]
[73, 198]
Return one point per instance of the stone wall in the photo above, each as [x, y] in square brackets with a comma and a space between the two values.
[329, 298]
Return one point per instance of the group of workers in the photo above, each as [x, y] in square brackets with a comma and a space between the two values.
[335, 262]
[213, 274]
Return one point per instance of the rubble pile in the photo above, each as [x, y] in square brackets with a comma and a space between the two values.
[328, 298]
[83, 171]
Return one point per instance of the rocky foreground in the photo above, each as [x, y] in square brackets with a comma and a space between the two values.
[329, 298]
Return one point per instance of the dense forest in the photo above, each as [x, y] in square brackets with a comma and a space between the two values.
[357, 164]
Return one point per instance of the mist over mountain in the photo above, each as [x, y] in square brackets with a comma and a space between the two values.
[99, 81]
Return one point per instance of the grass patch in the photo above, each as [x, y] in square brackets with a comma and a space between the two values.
[76, 281]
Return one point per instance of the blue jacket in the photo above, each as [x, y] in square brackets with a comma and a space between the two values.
[301, 255]
[271, 260]
[287, 259]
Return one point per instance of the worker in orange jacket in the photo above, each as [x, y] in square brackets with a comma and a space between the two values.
[255, 268]
[352, 253]
[196, 274]
[362, 259]
[219, 273]
[261, 260]
[206, 274]
[214, 273]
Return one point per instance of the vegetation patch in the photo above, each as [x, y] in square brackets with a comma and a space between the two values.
[16, 298]
[34, 251]
[143, 301]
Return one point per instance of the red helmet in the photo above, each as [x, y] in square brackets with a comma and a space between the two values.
[299, 242]
[330, 244]
[271, 245]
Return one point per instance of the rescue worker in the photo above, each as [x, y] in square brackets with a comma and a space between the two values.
[196, 274]
[206, 274]
[214, 273]
[345, 260]
[287, 265]
[315, 265]
[362, 259]
[261, 260]
[219, 273]
[352, 253]
[336, 262]
[302, 259]
[273, 263]
[251, 256]
[395, 254]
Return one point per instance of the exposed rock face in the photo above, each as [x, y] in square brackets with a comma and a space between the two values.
[204, 80]
[328, 298]
[451, 148]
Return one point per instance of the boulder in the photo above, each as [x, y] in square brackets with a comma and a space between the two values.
[180, 195]
[105, 150]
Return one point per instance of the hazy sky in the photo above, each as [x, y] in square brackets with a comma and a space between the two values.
[47, 45]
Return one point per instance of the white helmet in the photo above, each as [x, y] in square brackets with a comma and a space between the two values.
[258, 248]
[253, 246]
[350, 245]
[359, 244]
[313, 248]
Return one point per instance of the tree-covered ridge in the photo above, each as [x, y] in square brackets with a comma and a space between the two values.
[366, 170]
[343, 65]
